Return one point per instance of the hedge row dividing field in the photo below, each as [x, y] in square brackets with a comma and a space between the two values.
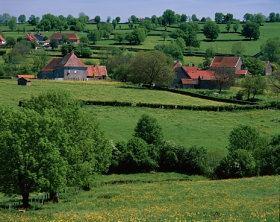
[154, 199]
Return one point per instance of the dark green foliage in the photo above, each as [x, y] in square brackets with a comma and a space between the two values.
[169, 17]
[22, 19]
[253, 85]
[136, 37]
[132, 157]
[239, 163]
[251, 30]
[149, 130]
[30, 156]
[211, 30]
[171, 49]
[94, 36]
[10, 41]
[268, 157]
[271, 50]
[119, 66]
[245, 137]
[152, 67]
[54, 44]
[254, 65]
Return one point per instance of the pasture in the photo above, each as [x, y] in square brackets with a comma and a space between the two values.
[163, 197]
[201, 128]
[11, 93]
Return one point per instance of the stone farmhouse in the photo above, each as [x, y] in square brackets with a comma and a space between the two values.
[229, 64]
[71, 37]
[193, 77]
[70, 67]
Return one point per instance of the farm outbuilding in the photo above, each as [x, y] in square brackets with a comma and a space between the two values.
[24, 82]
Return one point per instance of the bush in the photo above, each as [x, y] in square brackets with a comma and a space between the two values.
[245, 137]
[193, 161]
[168, 160]
[239, 163]
[268, 158]
[149, 130]
[133, 157]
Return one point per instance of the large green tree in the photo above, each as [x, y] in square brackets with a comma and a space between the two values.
[211, 30]
[151, 67]
[251, 30]
[29, 156]
[271, 50]
[169, 17]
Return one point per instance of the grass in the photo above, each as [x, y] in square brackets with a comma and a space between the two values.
[188, 128]
[11, 93]
[209, 129]
[180, 199]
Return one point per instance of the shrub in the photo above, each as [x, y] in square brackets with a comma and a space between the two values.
[168, 160]
[239, 163]
[149, 130]
[133, 157]
[193, 161]
[245, 137]
[268, 158]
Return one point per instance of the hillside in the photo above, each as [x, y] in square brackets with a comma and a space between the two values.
[151, 197]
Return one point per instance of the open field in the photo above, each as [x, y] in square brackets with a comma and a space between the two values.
[154, 198]
[11, 93]
[201, 128]
[209, 129]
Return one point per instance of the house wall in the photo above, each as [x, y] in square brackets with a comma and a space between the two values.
[75, 73]
[67, 73]
[179, 74]
[207, 84]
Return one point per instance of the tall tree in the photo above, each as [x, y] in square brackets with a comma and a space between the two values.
[224, 78]
[169, 17]
[29, 154]
[151, 67]
[271, 50]
[22, 19]
[219, 17]
[97, 19]
[253, 85]
[251, 30]
[12, 23]
[211, 30]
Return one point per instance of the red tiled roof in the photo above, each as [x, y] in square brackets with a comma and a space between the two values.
[26, 76]
[69, 60]
[2, 38]
[195, 73]
[241, 72]
[30, 37]
[225, 61]
[70, 36]
[96, 71]
[52, 65]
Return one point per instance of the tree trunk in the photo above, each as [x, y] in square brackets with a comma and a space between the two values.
[54, 196]
[25, 200]
[25, 190]
[220, 88]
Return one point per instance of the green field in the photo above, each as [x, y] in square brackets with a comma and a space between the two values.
[209, 129]
[11, 93]
[163, 197]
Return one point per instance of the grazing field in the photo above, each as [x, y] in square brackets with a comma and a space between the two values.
[164, 197]
[11, 93]
[201, 128]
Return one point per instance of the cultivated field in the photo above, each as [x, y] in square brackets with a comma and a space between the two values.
[163, 197]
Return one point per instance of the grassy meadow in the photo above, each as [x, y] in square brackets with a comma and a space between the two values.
[209, 129]
[163, 197]
[11, 93]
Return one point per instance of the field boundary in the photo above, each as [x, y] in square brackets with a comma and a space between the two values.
[224, 100]
[181, 107]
